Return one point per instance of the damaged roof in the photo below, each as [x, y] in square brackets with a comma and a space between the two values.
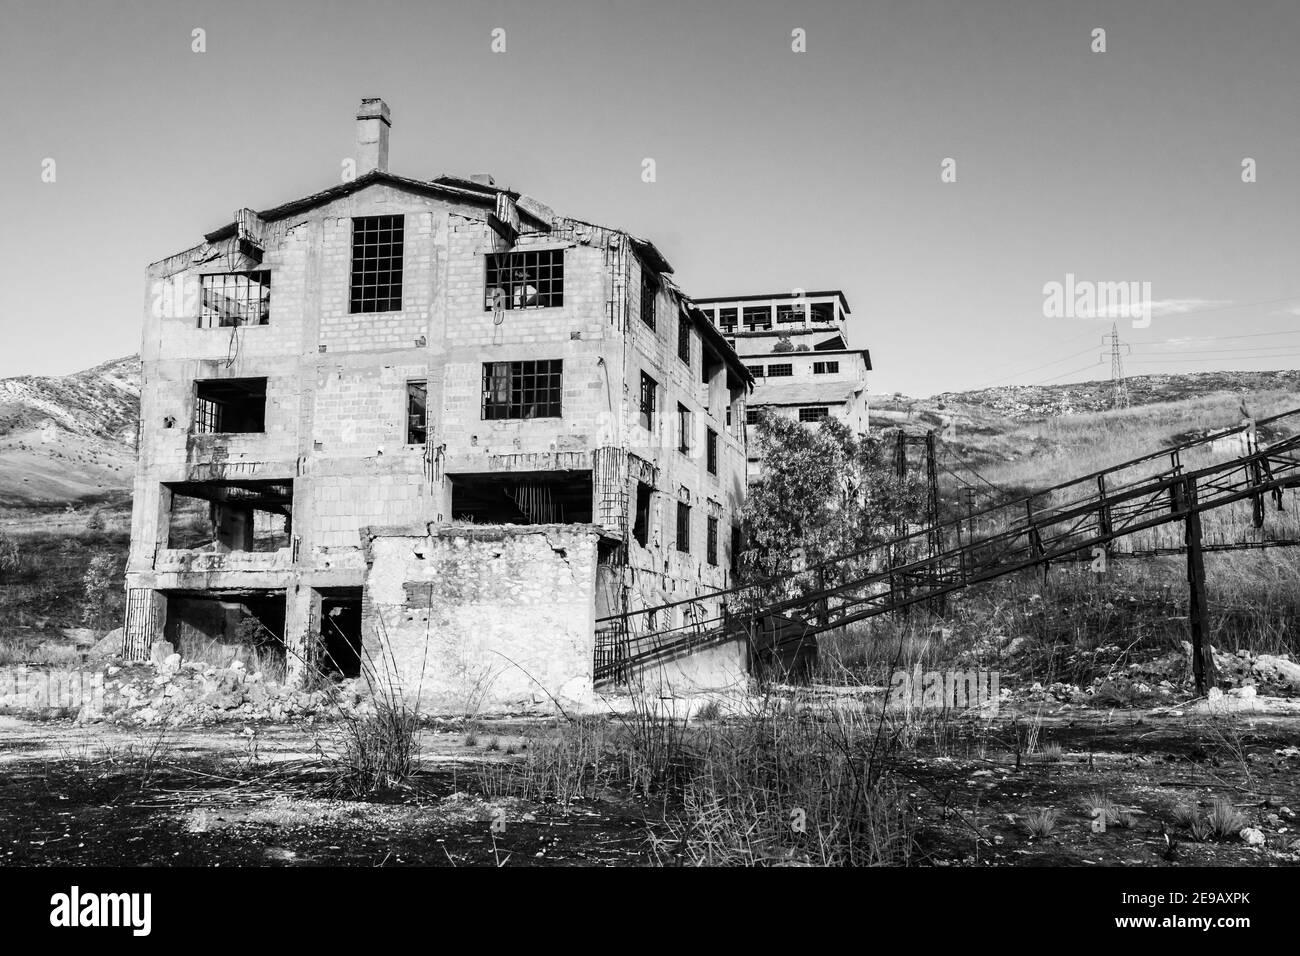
[445, 187]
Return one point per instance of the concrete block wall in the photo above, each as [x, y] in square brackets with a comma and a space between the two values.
[489, 617]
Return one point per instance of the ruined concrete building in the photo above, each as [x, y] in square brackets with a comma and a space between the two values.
[430, 418]
[796, 345]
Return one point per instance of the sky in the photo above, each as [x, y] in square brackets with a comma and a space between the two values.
[774, 169]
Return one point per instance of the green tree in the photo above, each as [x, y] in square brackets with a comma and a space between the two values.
[824, 492]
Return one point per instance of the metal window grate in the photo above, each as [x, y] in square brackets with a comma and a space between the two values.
[207, 417]
[711, 545]
[684, 339]
[751, 416]
[683, 527]
[235, 298]
[522, 389]
[779, 371]
[524, 280]
[814, 413]
[755, 370]
[417, 394]
[377, 264]
[648, 386]
[711, 449]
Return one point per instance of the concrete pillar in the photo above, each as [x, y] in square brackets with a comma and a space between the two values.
[301, 633]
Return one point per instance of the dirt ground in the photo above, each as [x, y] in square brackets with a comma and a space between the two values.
[229, 796]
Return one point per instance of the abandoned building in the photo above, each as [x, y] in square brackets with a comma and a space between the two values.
[796, 345]
[433, 422]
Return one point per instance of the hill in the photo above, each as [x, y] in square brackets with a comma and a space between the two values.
[69, 438]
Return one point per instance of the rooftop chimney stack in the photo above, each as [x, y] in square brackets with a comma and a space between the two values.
[373, 124]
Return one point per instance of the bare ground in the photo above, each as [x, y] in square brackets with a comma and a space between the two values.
[106, 795]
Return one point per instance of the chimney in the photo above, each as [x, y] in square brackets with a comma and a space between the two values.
[373, 124]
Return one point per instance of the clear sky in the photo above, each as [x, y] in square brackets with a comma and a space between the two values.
[775, 169]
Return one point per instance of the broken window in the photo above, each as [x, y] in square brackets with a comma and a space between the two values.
[340, 632]
[684, 339]
[641, 521]
[825, 368]
[648, 386]
[684, 429]
[416, 412]
[711, 448]
[235, 298]
[790, 313]
[780, 371]
[222, 516]
[524, 280]
[229, 406]
[522, 497]
[823, 312]
[217, 628]
[649, 289]
[683, 527]
[522, 389]
[758, 317]
[711, 545]
[727, 320]
[813, 413]
[377, 264]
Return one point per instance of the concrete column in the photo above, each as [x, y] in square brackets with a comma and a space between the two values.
[301, 632]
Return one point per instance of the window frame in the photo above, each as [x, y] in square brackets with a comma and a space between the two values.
[783, 370]
[711, 541]
[750, 324]
[711, 449]
[683, 540]
[684, 339]
[822, 410]
[522, 379]
[648, 407]
[364, 298]
[243, 297]
[422, 385]
[543, 271]
[685, 428]
[649, 293]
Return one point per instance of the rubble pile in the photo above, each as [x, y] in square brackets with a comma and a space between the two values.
[191, 694]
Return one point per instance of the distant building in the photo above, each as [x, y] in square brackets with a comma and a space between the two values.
[797, 349]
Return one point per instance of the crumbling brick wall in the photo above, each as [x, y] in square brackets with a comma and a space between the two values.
[491, 617]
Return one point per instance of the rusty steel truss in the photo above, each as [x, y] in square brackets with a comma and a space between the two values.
[1081, 518]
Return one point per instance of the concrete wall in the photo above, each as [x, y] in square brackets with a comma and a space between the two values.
[491, 617]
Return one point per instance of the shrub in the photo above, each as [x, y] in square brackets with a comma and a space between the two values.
[1224, 820]
[1041, 823]
[98, 583]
